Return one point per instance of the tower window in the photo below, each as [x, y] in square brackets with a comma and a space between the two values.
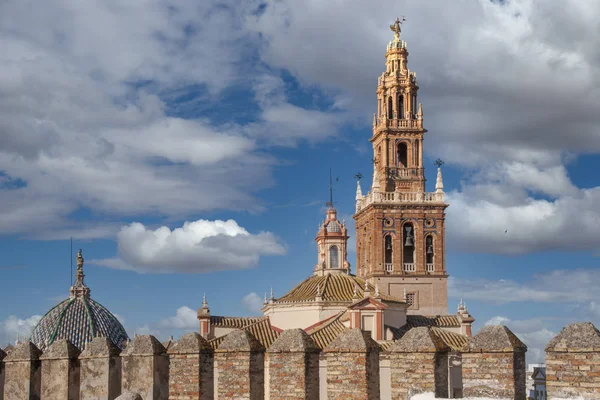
[417, 158]
[409, 247]
[402, 155]
[334, 257]
[390, 107]
[389, 252]
[400, 106]
[429, 250]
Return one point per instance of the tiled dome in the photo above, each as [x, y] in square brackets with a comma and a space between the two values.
[78, 319]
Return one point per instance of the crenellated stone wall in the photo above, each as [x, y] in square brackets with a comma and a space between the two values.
[494, 365]
[573, 363]
[294, 358]
[191, 368]
[352, 366]
[60, 371]
[419, 363]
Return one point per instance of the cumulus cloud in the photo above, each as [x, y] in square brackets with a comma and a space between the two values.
[485, 70]
[184, 318]
[13, 326]
[252, 303]
[532, 332]
[198, 246]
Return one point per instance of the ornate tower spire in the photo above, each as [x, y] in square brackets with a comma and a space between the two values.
[400, 226]
[79, 288]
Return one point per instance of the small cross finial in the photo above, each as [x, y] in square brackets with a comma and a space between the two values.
[396, 27]
[439, 162]
[358, 176]
[204, 302]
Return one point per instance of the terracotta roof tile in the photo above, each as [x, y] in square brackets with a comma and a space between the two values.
[443, 321]
[325, 331]
[259, 327]
[234, 322]
[455, 341]
[333, 287]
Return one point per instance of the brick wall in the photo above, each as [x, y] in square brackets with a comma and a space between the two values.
[294, 360]
[419, 363]
[239, 364]
[494, 365]
[191, 368]
[352, 366]
[573, 363]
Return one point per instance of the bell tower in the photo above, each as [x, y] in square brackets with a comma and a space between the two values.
[400, 226]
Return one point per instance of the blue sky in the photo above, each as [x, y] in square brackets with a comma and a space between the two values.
[125, 122]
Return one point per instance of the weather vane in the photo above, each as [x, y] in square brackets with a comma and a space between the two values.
[330, 202]
[439, 162]
[358, 176]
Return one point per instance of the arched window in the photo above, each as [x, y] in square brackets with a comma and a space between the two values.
[429, 250]
[402, 155]
[408, 242]
[390, 113]
[334, 257]
[414, 104]
[400, 106]
[389, 253]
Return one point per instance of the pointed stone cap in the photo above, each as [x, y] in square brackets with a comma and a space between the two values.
[144, 345]
[9, 348]
[573, 338]
[352, 341]
[127, 395]
[192, 343]
[24, 351]
[99, 347]
[240, 340]
[61, 349]
[496, 339]
[293, 340]
[419, 340]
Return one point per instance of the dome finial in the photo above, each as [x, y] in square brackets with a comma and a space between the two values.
[79, 288]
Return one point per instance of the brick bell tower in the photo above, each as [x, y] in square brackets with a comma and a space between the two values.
[400, 226]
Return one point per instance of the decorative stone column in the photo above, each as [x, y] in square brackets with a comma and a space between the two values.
[352, 366]
[100, 367]
[494, 365]
[146, 368]
[240, 367]
[22, 372]
[2, 356]
[191, 373]
[419, 363]
[60, 371]
[573, 363]
[293, 361]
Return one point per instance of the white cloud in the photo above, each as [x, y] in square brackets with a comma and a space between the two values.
[252, 303]
[185, 318]
[198, 246]
[13, 326]
[576, 286]
[532, 332]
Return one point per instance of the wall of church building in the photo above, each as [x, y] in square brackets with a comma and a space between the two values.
[300, 316]
[430, 293]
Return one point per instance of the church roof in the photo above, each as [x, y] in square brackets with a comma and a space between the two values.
[78, 319]
[259, 327]
[442, 321]
[323, 332]
[333, 288]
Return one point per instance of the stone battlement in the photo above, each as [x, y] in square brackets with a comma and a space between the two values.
[353, 366]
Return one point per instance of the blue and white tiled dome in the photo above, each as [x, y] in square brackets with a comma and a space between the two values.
[78, 319]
